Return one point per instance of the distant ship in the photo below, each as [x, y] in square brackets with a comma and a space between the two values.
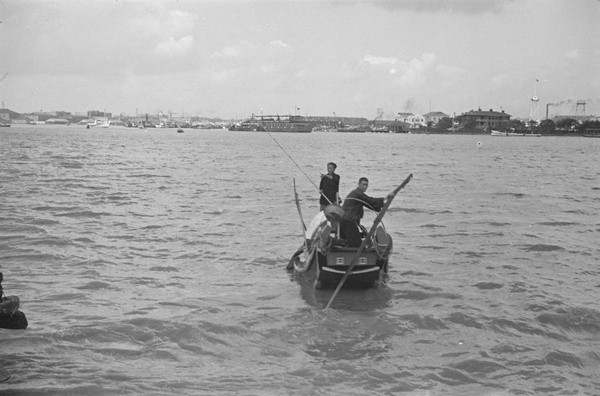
[270, 123]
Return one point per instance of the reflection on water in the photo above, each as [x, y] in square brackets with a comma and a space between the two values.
[351, 299]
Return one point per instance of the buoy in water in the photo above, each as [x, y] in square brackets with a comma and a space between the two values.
[479, 144]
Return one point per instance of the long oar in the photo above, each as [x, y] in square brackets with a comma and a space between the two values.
[299, 208]
[368, 238]
[290, 265]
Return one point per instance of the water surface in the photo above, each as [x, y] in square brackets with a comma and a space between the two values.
[152, 262]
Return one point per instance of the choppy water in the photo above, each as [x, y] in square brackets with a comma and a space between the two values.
[151, 262]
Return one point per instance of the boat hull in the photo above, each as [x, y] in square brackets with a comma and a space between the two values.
[500, 133]
[10, 315]
[325, 271]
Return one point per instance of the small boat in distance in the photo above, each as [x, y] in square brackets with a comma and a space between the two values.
[515, 133]
[503, 133]
[591, 133]
[270, 123]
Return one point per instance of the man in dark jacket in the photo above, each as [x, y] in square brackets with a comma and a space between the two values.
[329, 186]
[353, 212]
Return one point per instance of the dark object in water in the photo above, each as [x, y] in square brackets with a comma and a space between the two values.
[14, 321]
[10, 316]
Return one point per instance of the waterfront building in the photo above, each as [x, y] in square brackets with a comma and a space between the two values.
[484, 119]
[434, 117]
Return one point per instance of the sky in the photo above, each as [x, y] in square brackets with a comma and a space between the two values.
[229, 59]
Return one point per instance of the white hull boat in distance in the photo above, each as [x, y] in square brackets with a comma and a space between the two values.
[502, 133]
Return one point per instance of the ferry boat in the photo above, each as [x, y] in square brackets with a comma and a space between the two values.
[273, 123]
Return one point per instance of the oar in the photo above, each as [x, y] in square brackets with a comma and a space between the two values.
[298, 206]
[290, 265]
[368, 238]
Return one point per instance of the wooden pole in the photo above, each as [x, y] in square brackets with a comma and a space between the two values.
[368, 238]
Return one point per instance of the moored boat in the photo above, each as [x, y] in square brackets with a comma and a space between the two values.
[591, 133]
[502, 133]
[270, 123]
[516, 133]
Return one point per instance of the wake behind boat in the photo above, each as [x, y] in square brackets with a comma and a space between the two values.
[270, 123]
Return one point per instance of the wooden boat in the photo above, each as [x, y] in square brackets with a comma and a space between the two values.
[10, 316]
[325, 266]
[324, 261]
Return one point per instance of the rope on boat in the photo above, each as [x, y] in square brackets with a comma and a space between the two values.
[290, 157]
[298, 166]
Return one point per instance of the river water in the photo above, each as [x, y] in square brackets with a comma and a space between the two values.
[152, 262]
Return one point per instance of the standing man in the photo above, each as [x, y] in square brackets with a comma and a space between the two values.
[353, 212]
[329, 186]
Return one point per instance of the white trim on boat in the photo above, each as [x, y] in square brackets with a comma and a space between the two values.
[329, 269]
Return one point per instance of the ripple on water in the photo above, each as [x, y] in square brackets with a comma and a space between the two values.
[573, 319]
[543, 248]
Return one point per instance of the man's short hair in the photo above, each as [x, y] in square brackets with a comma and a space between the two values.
[362, 179]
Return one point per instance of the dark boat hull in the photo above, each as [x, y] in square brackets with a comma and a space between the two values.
[327, 271]
[15, 320]
[10, 316]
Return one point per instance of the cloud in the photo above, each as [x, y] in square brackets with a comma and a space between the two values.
[227, 52]
[169, 31]
[173, 47]
[573, 54]
[160, 23]
[454, 6]
[417, 70]
[379, 60]
[279, 43]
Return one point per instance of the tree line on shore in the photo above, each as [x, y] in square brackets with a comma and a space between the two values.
[545, 127]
